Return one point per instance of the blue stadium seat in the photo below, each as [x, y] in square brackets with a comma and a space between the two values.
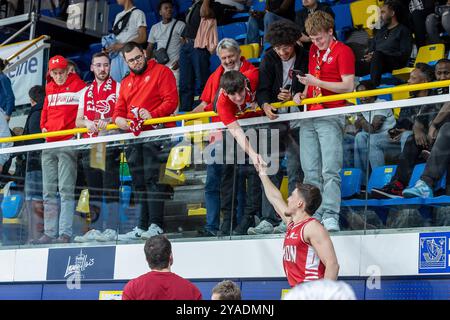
[183, 5]
[145, 5]
[298, 5]
[237, 31]
[350, 182]
[95, 47]
[343, 21]
[379, 178]
[151, 19]
[114, 9]
[11, 206]
[214, 63]
[258, 5]
[386, 78]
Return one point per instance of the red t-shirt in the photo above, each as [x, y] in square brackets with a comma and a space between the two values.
[212, 85]
[156, 285]
[229, 112]
[300, 261]
[340, 61]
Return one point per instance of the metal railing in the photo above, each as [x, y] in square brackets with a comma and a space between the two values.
[201, 115]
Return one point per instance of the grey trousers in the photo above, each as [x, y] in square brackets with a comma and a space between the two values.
[59, 173]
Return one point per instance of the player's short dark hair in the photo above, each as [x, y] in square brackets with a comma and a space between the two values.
[37, 93]
[232, 82]
[163, 2]
[227, 290]
[157, 252]
[312, 196]
[427, 70]
[129, 46]
[283, 32]
[99, 55]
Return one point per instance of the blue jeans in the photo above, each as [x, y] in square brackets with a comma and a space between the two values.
[33, 185]
[212, 196]
[255, 24]
[194, 72]
[321, 157]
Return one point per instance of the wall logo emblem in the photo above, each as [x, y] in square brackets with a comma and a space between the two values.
[87, 263]
[79, 264]
[434, 252]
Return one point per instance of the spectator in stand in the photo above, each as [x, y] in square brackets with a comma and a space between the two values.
[438, 162]
[277, 83]
[160, 283]
[149, 91]
[160, 34]
[419, 10]
[421, 74]
[4, 133]
[437, 22]
[229, 53]
[275, 10]
[95, 111]
[33, 175]
[72, 67]
[59, 165]
[418, 145]
[226, 290]
[129, 25]
[236, 100]
[373, 136]
[194, 62]
[391, 47]
[6, 93]
[309, 7]
[331, 71]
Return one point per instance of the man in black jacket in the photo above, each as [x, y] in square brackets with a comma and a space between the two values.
[278, 83]
[309, 7]
[33, 177]
[391, 47]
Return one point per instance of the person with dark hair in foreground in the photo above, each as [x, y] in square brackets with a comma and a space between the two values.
[226, 290]
[160, 283]
[308, 251]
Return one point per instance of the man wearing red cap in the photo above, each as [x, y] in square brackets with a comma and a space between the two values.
[59, 166]
[149, 91]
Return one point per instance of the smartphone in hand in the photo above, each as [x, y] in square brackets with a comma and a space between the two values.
[298, 73]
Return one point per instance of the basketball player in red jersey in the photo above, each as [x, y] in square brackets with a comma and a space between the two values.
[308, 250]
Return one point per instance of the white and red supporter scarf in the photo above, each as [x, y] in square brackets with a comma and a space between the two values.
[137, 122]
[99, 103]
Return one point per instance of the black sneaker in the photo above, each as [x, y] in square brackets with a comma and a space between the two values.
[207, 233]
[246, 222]
[392, 190]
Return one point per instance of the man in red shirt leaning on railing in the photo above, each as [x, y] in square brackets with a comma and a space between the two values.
[149, 91]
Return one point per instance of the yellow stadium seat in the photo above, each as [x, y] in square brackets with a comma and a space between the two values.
[179, 158]
[284, 188]
[363, 13]
[250, 51]
[83, 202]
[426, 54]
[256, 49]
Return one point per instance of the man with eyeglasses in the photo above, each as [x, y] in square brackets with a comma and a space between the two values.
[149, 91]
[95, 111]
